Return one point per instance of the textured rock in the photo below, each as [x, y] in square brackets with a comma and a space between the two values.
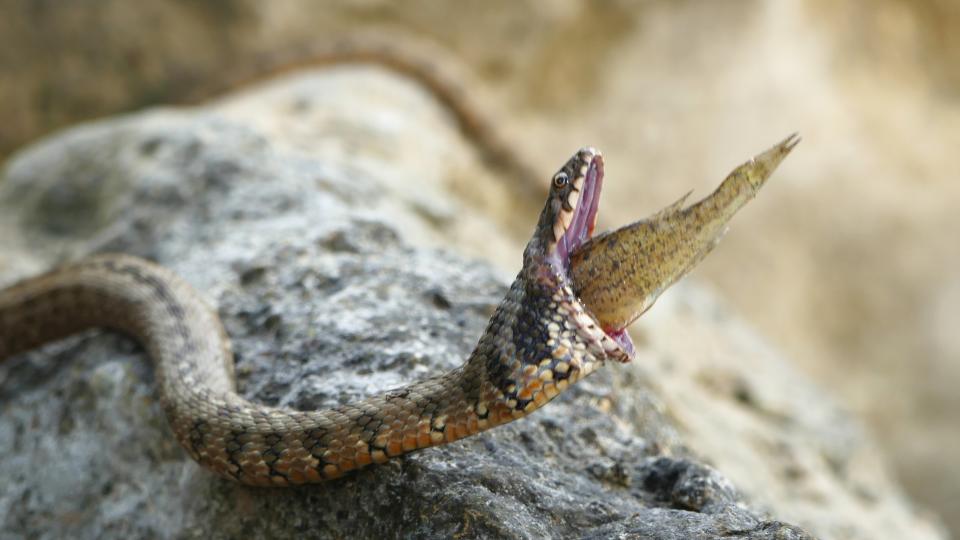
[849, 240]
[309, 213]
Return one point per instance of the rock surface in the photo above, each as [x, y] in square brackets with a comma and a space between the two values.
[849, 239]
[310, 212]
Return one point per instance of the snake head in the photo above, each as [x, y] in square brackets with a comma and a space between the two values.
[567, 221]
[570, 214]
[542, 338]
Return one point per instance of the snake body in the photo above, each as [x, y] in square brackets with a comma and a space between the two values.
[540, 340]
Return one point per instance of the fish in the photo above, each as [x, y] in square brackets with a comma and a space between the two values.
[619, 274]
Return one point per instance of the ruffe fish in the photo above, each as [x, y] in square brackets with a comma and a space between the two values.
[619, 274]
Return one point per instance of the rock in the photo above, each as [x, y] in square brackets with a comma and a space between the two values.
[310, 212]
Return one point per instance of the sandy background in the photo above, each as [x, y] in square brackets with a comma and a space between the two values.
[847, 260]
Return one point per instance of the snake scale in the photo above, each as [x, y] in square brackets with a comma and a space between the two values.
[541, 339]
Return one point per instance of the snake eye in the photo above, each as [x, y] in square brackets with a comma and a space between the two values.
[560, 179]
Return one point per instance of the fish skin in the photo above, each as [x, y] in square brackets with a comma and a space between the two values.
[619, 274]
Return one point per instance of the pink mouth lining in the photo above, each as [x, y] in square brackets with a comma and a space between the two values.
[585, 214]
[623, 339]
[581, 229]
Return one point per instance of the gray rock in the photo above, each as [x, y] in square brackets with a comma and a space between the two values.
[312, 235]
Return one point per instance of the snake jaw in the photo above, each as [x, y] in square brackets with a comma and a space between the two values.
[576, 215]
[566, 223]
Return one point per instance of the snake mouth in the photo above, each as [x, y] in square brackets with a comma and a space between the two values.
[577, 219]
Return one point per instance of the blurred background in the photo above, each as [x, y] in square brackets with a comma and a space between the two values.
[849, 260]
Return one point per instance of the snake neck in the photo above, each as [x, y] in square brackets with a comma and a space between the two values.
[535, 346]
[538, 342]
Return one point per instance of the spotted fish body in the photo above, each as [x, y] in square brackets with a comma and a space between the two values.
[619, 274]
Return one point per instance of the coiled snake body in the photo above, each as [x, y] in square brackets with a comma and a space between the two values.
[540, 340]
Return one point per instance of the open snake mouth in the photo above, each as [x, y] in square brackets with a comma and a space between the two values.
[576, 219]
[578, 214]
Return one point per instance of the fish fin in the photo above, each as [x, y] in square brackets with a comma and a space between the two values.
[671, 209]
